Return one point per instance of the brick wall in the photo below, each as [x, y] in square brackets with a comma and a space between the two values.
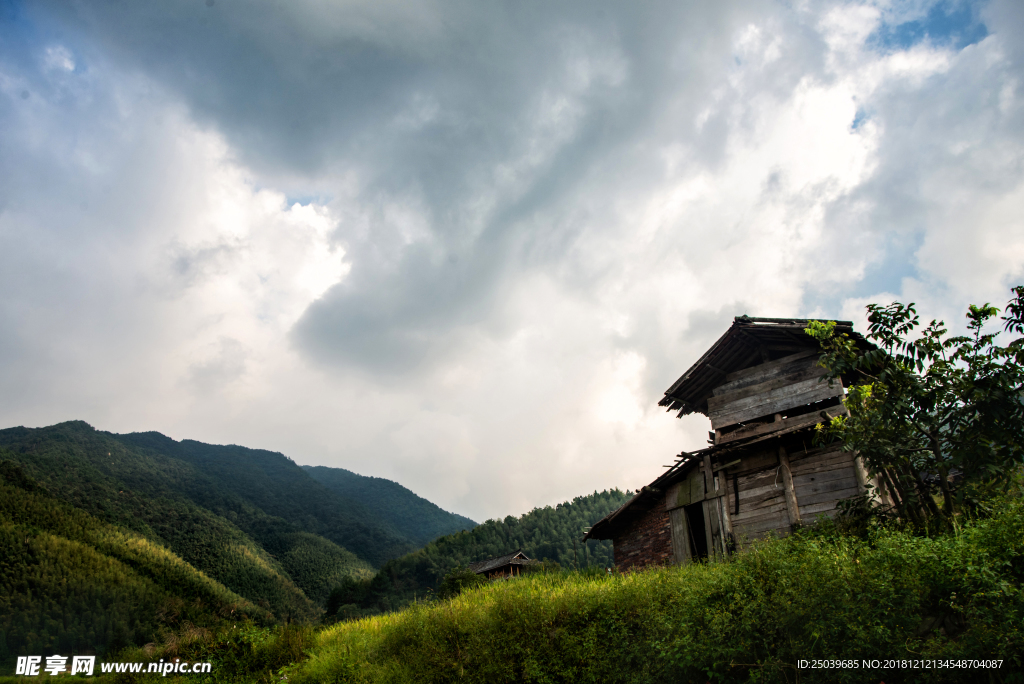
[646, 540]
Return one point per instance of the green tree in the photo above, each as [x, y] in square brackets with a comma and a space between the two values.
[934, 416]
[458, 580]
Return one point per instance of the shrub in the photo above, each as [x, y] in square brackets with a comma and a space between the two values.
[458, 580]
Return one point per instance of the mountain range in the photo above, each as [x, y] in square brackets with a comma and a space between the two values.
[110, 539]
[114, 540]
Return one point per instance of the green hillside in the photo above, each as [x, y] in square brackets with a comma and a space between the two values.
[174, 504]
[816, 595]
[71, 582]
[275, 485]
[873, 603]
[109, 541]
[413, 516]
[543, 534]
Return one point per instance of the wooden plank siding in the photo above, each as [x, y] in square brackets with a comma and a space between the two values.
[747, 498]
[760, 373]
[680, 537]
[801, 371]
[762, 500]
[774, 401]
[772, 389]
[822, 479]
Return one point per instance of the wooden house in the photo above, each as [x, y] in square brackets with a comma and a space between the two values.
[762, 388]
[509, 565]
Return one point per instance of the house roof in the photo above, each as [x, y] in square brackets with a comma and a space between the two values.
[517, 557]
[747, 342]
[652, 494]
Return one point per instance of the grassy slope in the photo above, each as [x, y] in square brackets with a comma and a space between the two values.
[171, 503]
[810, 596]
[418, 519]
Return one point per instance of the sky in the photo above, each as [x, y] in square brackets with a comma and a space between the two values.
[467, 246]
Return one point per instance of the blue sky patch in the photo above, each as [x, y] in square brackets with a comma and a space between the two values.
[898, 261]
[953, 23]
[860, 117]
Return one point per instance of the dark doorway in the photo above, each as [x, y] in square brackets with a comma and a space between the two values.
[698, 537]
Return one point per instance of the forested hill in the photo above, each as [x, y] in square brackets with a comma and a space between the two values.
[413, 516]
[543, 534]
[70, 582]
[275, 485]
[109, 540]
[228, 531]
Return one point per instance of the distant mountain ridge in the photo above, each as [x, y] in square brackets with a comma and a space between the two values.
[252, 521]
[413, 516]
[111, 540]
[280, 488]
[174, 503]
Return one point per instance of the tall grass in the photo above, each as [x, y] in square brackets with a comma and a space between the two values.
[887, 595]
[881, 595]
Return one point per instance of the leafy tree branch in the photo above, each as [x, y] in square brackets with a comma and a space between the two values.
[934, 416]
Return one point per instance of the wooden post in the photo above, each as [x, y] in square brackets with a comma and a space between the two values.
[709, 477]
[724, 502]
[680, 538]
[878, 496]
[713, 513]
[792, 506]
[861, 472]
[709, 532]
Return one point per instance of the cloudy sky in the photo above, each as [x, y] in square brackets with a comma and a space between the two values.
[468, 245]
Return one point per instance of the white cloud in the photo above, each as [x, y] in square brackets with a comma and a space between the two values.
[58, 57]
[513, 235]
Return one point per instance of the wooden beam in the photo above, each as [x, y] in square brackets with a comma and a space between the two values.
[792, 321]
[787, 425]
[730, 464]
[723, 506]
[792, 506]
[861, 472]
[755, 344]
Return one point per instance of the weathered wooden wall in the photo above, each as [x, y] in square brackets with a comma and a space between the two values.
[769, 388]
[822, 478]
[819, 478]
[762, 500]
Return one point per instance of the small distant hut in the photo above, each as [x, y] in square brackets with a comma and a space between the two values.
[763, 390]
[509, 565]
